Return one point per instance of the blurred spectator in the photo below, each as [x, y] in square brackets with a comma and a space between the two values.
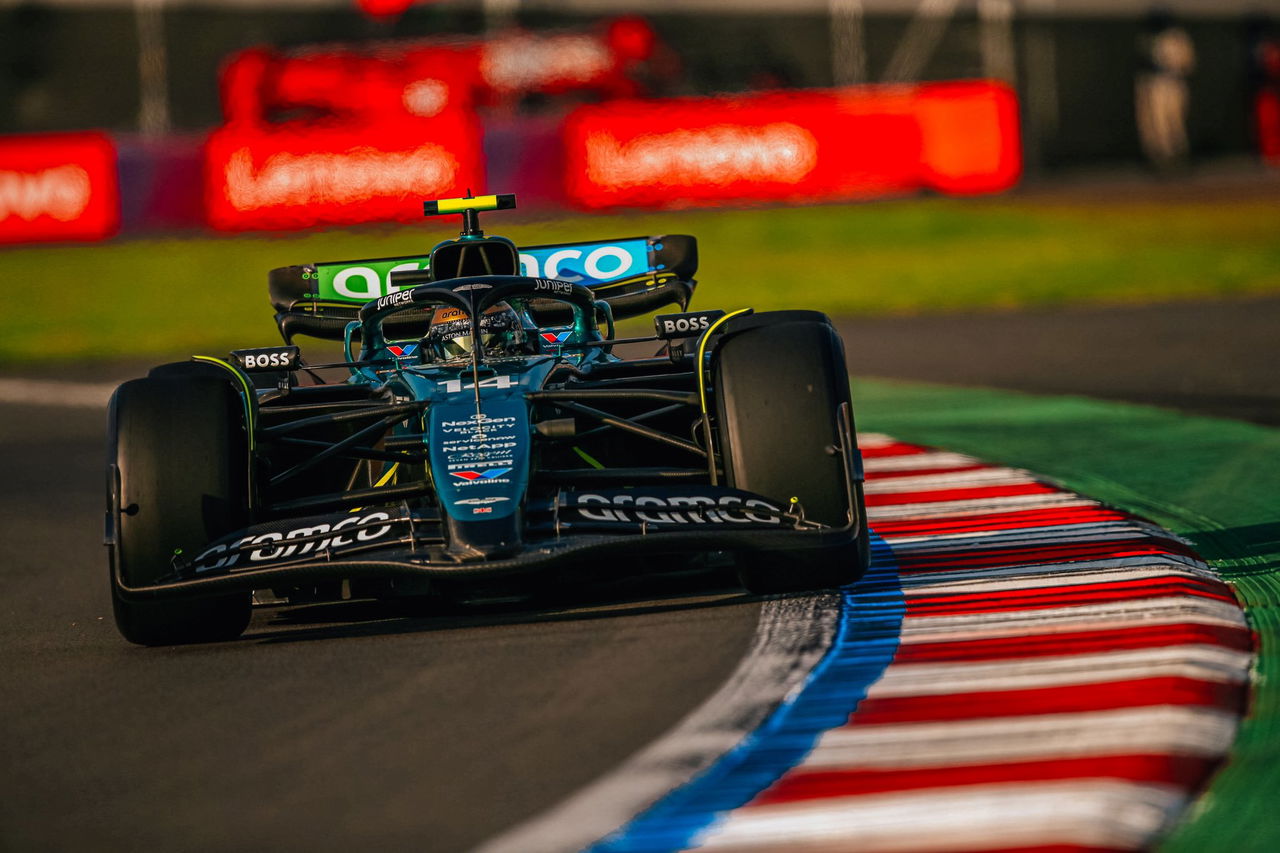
[1264, 85]
[1161, 97]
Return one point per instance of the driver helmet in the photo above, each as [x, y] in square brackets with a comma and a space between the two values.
[450, 331]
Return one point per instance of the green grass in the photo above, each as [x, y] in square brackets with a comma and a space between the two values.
[158, 297]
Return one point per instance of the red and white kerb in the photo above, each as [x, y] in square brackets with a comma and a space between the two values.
[1068, 677]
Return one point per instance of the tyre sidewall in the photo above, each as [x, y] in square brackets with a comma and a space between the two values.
[779, 382]
[180, 451]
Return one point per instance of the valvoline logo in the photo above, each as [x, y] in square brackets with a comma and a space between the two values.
[490, 474]
[402, 350]
[556, 337]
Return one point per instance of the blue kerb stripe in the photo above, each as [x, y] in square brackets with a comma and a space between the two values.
[866, 640]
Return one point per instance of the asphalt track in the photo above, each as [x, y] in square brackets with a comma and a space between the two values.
[1212, 358]
[347, 726]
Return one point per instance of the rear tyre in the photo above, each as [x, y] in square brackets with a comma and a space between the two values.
[178, 457]
[780, 379]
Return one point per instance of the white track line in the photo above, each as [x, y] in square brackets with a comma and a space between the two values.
[963, 544]
[1193, 660]
[1172, 564]
[1096, 530]
[1101, 813]
[1170, 610]
[918, 462]
[993, 582]
[1153, 729]
[978, 506]
[959, 480]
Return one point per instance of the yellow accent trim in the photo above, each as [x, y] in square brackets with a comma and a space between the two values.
[702, 349]
[588, 458]
[248, 390]
[457, 205]
[382, 481]
[324, 303]
[661, 279]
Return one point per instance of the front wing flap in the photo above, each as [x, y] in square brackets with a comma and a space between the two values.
[574, 526]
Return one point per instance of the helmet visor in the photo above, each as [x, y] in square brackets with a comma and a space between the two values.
[450, 329]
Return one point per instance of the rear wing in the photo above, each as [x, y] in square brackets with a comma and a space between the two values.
[635, 275]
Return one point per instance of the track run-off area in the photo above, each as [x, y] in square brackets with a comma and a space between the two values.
[1024, 667]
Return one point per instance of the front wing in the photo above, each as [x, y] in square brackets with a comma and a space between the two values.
[573, 528]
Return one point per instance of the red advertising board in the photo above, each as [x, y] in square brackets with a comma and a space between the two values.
[970, 137]
[343, 134]
[811, 145]
[58, 186]
[301, 174]
[422, 76]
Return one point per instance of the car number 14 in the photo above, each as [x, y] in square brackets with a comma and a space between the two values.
[455, 386]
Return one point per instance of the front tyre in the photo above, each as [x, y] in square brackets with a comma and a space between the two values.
[178, 459]
[780, 381]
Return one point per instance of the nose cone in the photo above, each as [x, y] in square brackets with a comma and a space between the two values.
[480, 467]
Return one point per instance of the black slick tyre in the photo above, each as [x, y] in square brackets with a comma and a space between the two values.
[779, 380]
[177, 478]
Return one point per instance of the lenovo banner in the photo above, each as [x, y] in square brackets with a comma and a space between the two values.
[302, 174]
[809, 145]
[58, 186]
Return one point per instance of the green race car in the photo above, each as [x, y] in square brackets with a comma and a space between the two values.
[483, 427]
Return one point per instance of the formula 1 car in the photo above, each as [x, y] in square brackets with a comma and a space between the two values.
[482, 430]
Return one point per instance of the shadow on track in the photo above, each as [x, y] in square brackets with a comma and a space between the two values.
[580, 602]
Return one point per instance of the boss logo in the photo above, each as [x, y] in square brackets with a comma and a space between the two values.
[267, 359]
[274, 358]
[685, 325]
